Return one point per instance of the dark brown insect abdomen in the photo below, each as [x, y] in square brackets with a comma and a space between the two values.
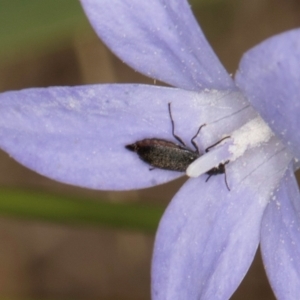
[163, 154]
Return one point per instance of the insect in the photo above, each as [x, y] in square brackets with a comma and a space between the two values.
[167, 155]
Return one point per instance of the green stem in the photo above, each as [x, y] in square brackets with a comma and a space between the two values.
[60, 209]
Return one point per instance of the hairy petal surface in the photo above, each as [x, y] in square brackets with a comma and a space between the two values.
[269, 76]
[78, 135]
[280, 239]
[159, 38]
[208, 235]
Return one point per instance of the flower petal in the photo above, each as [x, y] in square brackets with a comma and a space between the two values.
[160, 39]
[78, 135]
[269, 76]
[208, 235]
[280, 239]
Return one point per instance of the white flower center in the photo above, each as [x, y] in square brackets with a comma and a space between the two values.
[251, 135]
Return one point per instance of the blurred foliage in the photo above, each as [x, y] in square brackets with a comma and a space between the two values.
[45, 25]
[36, 24]
[73, 211]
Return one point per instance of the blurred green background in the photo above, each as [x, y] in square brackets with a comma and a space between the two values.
[64, 242]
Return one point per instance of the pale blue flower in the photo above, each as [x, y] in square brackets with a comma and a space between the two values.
[208, 236]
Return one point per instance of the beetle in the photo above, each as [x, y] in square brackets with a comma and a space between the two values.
[167, 155]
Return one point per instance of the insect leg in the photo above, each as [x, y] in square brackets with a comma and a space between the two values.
[208, 177]
[225, 163]
[215, 144]
[193, 138]
[220, 169]
[173, 127]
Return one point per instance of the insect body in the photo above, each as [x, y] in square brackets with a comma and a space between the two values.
[167, 155]
[164, 154]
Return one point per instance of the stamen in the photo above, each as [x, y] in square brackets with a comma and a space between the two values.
[251, 135]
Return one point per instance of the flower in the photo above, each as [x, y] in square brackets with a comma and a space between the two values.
[208, 235]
